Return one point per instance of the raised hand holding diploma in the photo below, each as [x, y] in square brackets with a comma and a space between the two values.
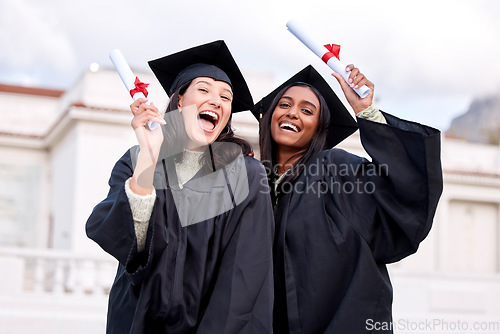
[136, 88]
[356, 79]
[328, 53]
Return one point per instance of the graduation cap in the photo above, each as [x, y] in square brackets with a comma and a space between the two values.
[341, 124]
[208, 60]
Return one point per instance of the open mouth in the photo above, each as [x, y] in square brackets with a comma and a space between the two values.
[208, 120]
[289, 127]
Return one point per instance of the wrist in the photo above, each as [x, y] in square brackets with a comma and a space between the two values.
[148, 153]
[363, 108]
[142, 178]
[368, 111]
[141, 185]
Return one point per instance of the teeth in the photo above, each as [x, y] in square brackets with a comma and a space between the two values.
[210, 114]
[289, 126]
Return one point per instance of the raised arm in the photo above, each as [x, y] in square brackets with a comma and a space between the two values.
[149, 143]
[118, 224]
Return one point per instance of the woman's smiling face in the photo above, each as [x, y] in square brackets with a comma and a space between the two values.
[295, 118]
[206, 108]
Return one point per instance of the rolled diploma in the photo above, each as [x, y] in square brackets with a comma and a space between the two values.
[320, 50]
[128, 78]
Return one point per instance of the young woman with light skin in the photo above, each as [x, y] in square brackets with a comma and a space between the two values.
[205, 108]
[188, 214]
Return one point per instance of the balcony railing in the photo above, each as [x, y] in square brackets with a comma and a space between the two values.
[55, 272]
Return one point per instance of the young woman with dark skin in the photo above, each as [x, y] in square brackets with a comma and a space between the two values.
[341, 218]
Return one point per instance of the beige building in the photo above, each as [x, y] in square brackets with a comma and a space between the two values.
[57, 149]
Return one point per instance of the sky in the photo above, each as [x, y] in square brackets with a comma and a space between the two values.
[427, 59]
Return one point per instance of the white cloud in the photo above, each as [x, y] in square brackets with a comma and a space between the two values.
[31, 37]
[416, 51]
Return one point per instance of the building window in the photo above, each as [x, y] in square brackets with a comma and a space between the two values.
[19, 204]
[472, 237]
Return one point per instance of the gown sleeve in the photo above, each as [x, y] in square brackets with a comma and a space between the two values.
[111, 223]
[242, 298]
[398, 191]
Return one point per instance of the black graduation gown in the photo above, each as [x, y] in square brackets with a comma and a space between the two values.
[344, 220]
[214, 276]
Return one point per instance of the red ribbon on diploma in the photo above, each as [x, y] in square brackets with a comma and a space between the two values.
[334, 51]
[140, 87]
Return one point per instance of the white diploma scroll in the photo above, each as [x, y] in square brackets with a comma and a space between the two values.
[128, 78]
[320, 50]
